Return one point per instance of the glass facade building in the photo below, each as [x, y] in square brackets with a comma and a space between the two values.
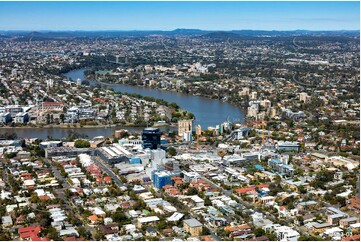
[151, 138]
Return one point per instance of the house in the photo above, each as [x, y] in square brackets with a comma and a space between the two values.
[320, 228]
[7, 221]
[167, 232]
[197, 201]
[171, 190]
[335, 233]
[5, 118]
[308, 218]
[193, 226]
[94, 219]
[354, 203]
[150, 232]
[260, 238]
[355, 237]
[200, 185]
[286, 233]
[68, 232]
[191, 176]
[236, 232]
[309, 205]
[267, 200]
[109, 229]
[147, 220]
[217, 221]
[245, 190]
[20, 220]
[31, 233]
[175, 217]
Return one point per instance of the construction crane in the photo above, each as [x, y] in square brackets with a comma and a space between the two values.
[262, 132]
[198, 133]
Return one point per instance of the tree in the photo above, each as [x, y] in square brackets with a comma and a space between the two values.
[123, 179]
[192, 191]
[62, 117]
[119, 216]
[171, 151]
[34, 198]
[98, 235]
[161, 225]
[207, 201]
[53, 234]
[83, 232]
[205, 231]
[222, 153]
[259, 232]
[10, 155]
[80, 143]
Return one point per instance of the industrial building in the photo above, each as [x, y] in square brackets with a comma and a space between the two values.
[67, 151]
[288, 146]
[114, 154]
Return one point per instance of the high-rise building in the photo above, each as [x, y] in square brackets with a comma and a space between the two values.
[245, 91]
[266, 103]
[252, 111]
[273, 112]
[151, 138]
[187, 136]
[184, 126]
[161, 178]
[158, 159]
[172, 166]
[304, 97]
[199, 130]
[253, 96]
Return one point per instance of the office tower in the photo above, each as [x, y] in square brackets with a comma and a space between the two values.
[151, 138]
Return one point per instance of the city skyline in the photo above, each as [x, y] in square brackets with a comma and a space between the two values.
[94, 16]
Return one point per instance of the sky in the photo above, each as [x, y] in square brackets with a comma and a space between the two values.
[172, 15]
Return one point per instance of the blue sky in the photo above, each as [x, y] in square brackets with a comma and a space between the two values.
[172, 15]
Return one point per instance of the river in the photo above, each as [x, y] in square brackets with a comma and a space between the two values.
[208, 112]
[63, 133]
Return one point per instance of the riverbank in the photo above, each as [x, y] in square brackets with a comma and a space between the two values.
[207, 112]
[82, 127]
[232, 98]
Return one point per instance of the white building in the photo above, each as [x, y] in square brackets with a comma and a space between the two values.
[22, 118]
[191, 176]
[285, 233]
[158, 158]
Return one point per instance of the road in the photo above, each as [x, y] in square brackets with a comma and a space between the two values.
[60, 192]
[301, 83]
[58, 175]
[248, 206]
[107, 170]
[6, 177]
[244, 203]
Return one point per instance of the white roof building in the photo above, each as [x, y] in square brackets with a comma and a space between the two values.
[175, 217]
[285, 233]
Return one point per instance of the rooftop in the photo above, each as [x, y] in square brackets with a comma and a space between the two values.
[192, 222]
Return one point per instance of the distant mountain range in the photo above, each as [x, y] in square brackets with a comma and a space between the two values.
[233, 34]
